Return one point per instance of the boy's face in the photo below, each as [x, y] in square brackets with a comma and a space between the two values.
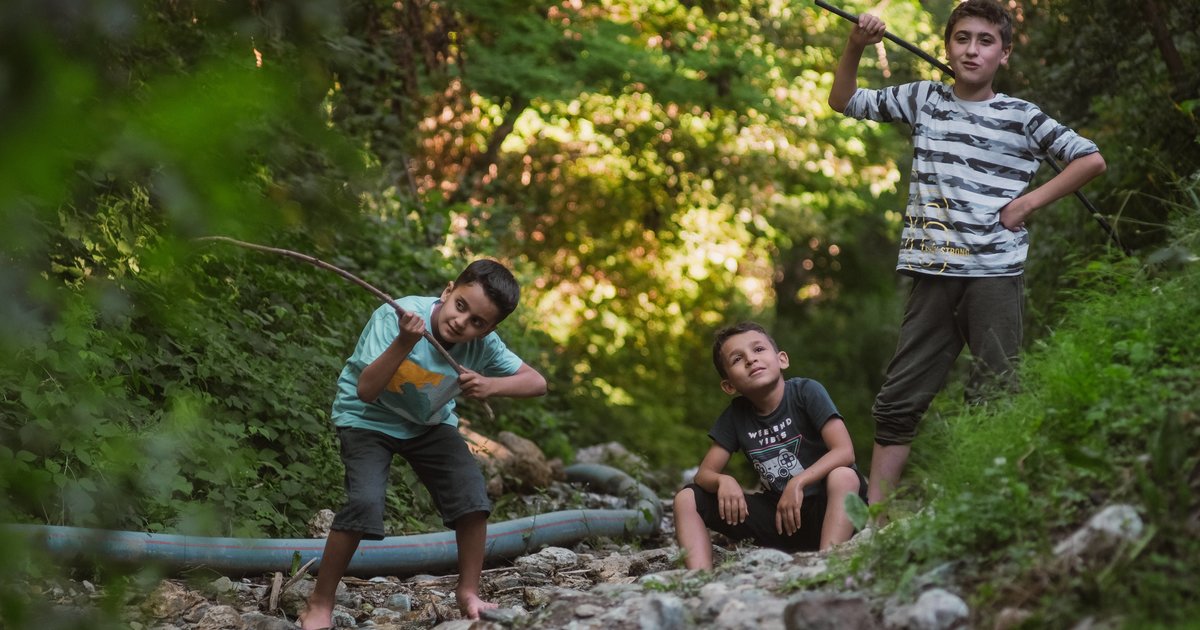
[466, 314]
[976, 52]
[752, 364]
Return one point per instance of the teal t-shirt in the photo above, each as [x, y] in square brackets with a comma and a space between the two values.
[421, 392]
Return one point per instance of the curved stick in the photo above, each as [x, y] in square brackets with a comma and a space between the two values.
[903, 44]
[356, 280]
[1108, 228]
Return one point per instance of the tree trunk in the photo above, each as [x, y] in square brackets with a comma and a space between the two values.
[1182, 86]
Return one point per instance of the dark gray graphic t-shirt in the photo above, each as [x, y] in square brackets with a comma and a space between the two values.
[783, 443]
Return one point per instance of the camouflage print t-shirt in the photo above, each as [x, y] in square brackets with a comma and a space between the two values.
[970, 158]
[784, 442]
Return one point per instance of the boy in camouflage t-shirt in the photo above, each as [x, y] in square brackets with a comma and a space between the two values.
[964, 242]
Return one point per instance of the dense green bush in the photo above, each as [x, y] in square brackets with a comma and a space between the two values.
[203, 381]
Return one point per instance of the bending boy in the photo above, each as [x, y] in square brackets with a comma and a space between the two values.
[396, 397]
[798, 443]
[964, 241]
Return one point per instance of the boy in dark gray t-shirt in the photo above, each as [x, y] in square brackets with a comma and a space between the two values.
[791, 432]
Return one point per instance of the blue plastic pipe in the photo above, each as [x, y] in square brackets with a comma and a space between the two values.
[397, 555]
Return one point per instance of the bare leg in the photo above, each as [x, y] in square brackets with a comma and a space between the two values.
[887, 464]
[470, 532]
[837, 528]
[339, 550]
[691, 532]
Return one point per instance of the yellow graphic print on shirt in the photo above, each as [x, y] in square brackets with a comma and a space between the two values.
[412, 374]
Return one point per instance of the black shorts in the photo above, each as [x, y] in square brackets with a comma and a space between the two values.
[759, 525]
[439, 457]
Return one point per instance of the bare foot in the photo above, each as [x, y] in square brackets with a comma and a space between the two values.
[316, 617]
[471, 605]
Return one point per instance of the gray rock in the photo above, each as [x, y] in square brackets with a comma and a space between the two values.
[506, 616]
[935, 609]
[662, 612]
[1011, 618]
[751, 613]
[320, 523]
[1110, 527]
[222, 587]
[259, 621]
[399, 601]
[221, 618]
[764, 558]
[828, 611]
[343, 618]
[294, 599]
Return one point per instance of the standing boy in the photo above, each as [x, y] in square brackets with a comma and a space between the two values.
[964, 241]
[798, 443]
[396, 396]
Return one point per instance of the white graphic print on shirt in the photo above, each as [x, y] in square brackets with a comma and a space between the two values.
[778, 462]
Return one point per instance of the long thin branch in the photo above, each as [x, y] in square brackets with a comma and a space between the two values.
[356, 280]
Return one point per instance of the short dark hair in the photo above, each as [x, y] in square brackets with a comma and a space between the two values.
[989, 10]
[724, 334]
[497, 281]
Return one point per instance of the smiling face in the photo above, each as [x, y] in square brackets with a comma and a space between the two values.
[976, 52]
[752, 364]
[465, 314]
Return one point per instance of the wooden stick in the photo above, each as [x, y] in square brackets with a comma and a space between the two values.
[276, 590]
[356, 280]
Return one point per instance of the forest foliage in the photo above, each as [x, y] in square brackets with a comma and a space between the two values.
[651, 169]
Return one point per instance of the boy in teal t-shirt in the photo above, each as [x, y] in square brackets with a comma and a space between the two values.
[396, 397]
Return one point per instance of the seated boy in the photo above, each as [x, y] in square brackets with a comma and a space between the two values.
[792, 433]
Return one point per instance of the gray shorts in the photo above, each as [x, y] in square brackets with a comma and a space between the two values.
[440, 458]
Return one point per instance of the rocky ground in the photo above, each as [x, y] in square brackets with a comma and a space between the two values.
[595, 584]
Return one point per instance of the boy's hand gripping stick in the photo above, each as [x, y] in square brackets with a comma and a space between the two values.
[887, 35]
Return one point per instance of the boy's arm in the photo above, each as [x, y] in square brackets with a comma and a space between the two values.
[379, 372]
[841, 453]
[526, 382]
[731, 500]
[868, 31]
[1080, 171]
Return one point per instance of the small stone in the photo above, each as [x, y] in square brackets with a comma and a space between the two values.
[1011, 618]
[320, 523]
[506, 616]
[221, 618]
[583, 611]
[399, 601]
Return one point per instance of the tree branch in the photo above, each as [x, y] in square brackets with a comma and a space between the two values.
[356, 280]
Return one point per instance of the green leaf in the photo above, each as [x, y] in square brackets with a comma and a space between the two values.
[856, 510]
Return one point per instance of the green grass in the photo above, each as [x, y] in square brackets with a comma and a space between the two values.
[1108, 412]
